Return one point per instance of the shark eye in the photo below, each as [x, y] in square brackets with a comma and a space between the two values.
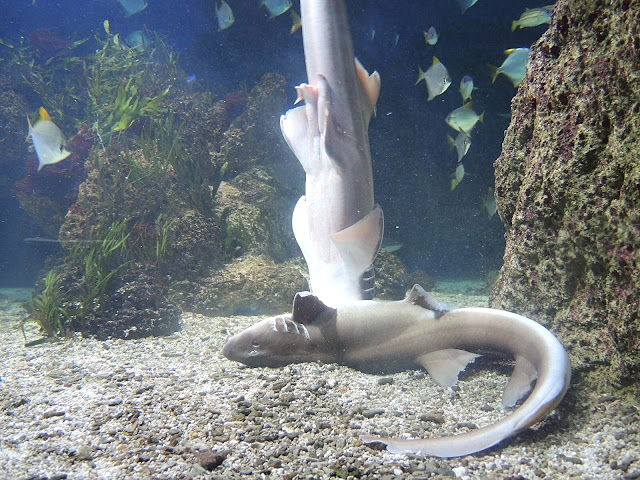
[255, 344]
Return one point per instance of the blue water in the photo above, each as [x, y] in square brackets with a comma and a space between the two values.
[444, 233]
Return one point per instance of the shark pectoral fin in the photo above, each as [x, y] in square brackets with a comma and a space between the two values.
[445, 365]
[420, 297]
[371, 85]
[520, 381]
[359, 243]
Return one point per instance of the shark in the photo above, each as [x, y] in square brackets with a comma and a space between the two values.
[336, 223]
[419, 330]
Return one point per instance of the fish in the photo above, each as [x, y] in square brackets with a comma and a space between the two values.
[337, 224]
[489, 204]
[466, 88]
[514, 66]
[533, 17]
[137, 40]
[457, 176]
[390, 245]
[224, 15]
[376, 336]
[466, 4]
[296, 22]
[461, 143]
[431, 36]
[276, 7]
[192, 78]
[48, 140]
[436, 77]
[132, 7]
[464, 118]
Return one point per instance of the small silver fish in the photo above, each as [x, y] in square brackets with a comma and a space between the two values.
[514, 66]
[489, 203]
[276, 7]
[466, 88]
[436, 77]
[466, 4]
[533, 17]
[461, 144]
[48, 140]
[431, 36]
[457, 176]
[133, 6]
[225, 16]
[464, 118]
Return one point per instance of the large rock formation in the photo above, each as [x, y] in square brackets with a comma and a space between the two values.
[568, 189]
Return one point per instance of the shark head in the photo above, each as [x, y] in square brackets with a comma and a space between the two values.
[284, 339]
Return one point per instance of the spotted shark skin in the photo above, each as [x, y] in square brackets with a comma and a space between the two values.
[418, 330]
[336, 223]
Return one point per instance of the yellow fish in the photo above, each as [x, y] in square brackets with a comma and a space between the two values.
[436, 77]
[48, 140]
[533, 17]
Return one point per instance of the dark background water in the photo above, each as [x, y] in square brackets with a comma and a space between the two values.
[444, 233]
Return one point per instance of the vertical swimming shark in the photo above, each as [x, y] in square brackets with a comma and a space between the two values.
[336, 223]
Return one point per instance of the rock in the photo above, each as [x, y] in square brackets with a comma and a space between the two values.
[567, 190]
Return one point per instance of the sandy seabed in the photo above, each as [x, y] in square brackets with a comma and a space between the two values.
[174, 408]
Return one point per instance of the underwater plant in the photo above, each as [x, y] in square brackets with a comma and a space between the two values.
[127, 84]
[45, 309]
[57, 79]
[104, 255]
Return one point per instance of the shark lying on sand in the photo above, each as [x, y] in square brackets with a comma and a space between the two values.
[336, 223]
[417, 330]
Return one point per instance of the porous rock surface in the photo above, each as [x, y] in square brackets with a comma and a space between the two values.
[567, 189]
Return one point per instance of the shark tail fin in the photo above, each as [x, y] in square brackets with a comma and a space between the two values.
[368, 283]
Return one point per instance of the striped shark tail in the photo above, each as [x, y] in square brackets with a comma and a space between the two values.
[368, 283]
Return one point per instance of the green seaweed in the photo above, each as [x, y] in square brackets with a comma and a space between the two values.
[45, 309]
[100, 259]
[126, 85]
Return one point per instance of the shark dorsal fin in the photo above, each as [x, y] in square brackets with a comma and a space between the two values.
[419, 296]
[307, 308]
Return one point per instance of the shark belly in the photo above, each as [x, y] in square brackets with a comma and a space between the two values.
[336, 223]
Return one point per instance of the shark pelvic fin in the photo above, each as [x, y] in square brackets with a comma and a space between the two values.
[359, 243]
[445, 365]
[520, 381]
[371, 86]
[294, 127]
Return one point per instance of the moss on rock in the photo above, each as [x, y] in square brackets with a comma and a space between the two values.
[567, 190]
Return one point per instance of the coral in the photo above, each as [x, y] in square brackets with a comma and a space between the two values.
[567, 190]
